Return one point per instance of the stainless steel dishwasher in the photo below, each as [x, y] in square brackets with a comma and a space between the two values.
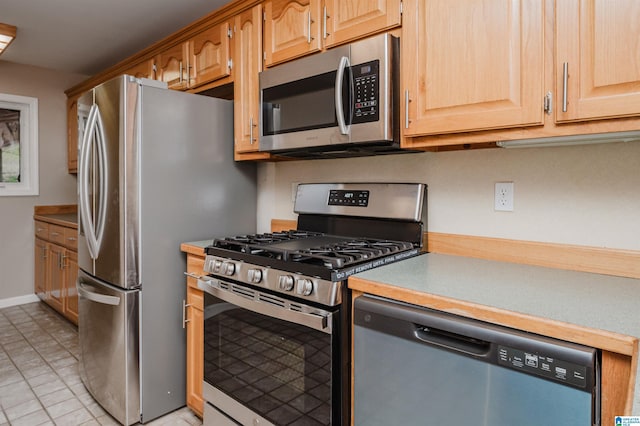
[416, 366]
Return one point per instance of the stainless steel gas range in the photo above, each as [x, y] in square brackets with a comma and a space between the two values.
[277, 308]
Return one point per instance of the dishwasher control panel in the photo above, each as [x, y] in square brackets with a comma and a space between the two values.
[543, 365]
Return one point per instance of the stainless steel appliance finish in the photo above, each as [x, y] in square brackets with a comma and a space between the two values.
[155, 169]
[342, 102]
[454, 370]
[277, 308]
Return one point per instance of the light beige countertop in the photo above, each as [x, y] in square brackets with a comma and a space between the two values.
[516, 295]
[195, 247]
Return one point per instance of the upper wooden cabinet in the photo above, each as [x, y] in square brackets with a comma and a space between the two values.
[73, 133]
[291, 29]
[248, 63]
[295, 28]
[344, 21]
[172, 66]
[145, 69]
[210, 55]
[597, 59]
[471, 65]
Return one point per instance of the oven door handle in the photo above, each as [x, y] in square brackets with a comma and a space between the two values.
[311, 320]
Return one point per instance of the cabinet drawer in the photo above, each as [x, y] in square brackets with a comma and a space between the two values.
[71, 238]
[56, 234]
[195, 266]
[42, 230]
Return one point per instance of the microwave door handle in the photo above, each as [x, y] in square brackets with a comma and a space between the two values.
[344, 63]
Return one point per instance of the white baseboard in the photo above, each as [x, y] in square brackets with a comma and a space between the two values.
[20, 300]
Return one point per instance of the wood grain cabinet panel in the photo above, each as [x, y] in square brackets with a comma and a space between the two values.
[195, 335]
[172, 66]
[70, 266]
[144, 69]
[56, 267]
[55, 285]
[209, 55]
[40, 268]
[344, 21]
[472, 65]
[597, 59]
[72, 134]
[248, 50]
[291, 29]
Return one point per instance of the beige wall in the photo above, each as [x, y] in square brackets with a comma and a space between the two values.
[585, 195]
[56, 185]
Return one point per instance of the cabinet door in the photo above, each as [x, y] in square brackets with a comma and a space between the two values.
[352, 19]
[471, 65]
[209, 55]
[248, 48]
[40, 274]
[55, 287]
[144, 69]
[291, 29]
[72, 134]
[70, 266]
[172, 67]
[195, 349]
[597, 50]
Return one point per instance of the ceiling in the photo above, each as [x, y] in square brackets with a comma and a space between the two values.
[88, 36]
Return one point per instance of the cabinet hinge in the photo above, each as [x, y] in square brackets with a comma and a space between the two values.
[230, 63]
[548, 103]
[229, 33]
[401, 6]
[264, 55]
[155, 69]
[264, 16]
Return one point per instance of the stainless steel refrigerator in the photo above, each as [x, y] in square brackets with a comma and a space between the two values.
[155, 168]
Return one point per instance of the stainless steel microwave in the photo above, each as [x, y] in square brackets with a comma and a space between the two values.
[339, 103]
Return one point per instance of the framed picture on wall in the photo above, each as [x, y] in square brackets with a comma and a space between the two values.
[18, 145]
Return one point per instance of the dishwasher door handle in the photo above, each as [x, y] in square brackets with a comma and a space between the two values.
[455, 342]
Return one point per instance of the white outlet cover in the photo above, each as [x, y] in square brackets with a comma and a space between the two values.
[503, 199]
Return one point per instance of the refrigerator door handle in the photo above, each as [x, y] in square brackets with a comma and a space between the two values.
[83, 181]
[94, 132]
[103, 179]
[83, 290]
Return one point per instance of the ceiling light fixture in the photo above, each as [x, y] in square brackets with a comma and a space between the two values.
[7, 34]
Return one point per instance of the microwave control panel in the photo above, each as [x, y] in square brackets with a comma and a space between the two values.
[366, 87]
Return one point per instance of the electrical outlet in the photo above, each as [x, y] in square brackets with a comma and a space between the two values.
[504, 197]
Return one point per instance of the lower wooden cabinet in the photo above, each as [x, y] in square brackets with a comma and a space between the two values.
[56, 267]
[194, 319]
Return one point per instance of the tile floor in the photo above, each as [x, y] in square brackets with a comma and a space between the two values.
[39, 381]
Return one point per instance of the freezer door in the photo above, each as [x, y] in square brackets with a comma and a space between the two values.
[109, 350]
[107, 183]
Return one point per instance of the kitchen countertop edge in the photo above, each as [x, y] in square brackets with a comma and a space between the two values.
[195, 247]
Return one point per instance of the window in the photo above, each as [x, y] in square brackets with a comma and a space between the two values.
[18, 145]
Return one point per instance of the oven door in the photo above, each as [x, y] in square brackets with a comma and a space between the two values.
[269, 360]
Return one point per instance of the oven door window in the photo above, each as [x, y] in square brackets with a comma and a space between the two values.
[278, 369]
[305, 104]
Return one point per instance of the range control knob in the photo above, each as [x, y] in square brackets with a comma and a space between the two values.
[285, 282]
[305, 287]
[254, 275]
[217, 264]
[228, 268]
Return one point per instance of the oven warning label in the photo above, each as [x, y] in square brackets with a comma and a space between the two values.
[627, 421]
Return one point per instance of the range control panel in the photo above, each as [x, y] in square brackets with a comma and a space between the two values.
[544, 366]
[339, 197]
[366, 86]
